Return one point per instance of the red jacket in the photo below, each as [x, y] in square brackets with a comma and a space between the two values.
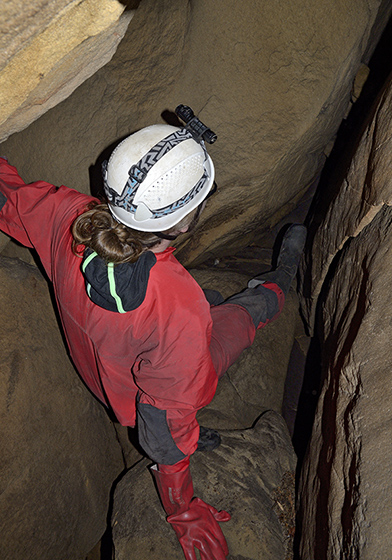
[160, 349]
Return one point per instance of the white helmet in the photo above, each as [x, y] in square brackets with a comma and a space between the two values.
[156, 176]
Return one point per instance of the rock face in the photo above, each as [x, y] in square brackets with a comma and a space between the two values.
[250, 475]
[344, 486]
[48, 49]
[274, 83]
[59, 451]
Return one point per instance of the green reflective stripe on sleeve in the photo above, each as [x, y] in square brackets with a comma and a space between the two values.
[88, 260]
[112, 286]
[88, 288]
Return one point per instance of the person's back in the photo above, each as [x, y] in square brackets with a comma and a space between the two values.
[164, 338]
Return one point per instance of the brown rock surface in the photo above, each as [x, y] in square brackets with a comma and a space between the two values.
[59, 451]
[345, 498]
[356, 198]
[48, 49]
[274, 83]
[250, 475]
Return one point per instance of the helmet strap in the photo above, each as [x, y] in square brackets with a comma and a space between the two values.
[191, 226]
[166, 236]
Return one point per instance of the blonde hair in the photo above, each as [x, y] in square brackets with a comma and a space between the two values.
[115, 242]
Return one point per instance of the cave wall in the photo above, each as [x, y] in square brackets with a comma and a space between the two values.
[47, 49]
[273, 80]
[345, 497]
[59, 451]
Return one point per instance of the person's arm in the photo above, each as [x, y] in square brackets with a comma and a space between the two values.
[194, 521]
[10, 221]
[34, 214]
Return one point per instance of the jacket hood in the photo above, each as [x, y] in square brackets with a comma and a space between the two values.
[118, 288]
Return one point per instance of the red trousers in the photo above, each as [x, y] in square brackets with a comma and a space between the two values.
[233, 330]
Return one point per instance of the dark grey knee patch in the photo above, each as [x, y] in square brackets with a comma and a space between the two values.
[3, 200]
[213, 297]
[154, 435]
[261, 303]
[272, 302]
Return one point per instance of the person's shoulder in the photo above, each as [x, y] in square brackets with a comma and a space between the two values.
[73, 201]
[77, 195]
[169, 276]
[168, 264]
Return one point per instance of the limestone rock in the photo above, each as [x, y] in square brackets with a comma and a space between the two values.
[274, 83]
[59, 451]
[48, 50]
[348, 467]
[251, 475]
[344, 485]
[354, 197]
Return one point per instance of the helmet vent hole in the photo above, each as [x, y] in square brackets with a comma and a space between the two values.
[175, 184]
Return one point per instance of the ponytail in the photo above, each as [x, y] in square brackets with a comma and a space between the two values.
[115, 242]
[112, 241]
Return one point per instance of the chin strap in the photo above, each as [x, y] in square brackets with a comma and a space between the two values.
[166, 236]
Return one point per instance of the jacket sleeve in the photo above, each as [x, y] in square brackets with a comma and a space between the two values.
[34, 213]
[10, 221]
[155, 436]
[168, 434]
[166, 411]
